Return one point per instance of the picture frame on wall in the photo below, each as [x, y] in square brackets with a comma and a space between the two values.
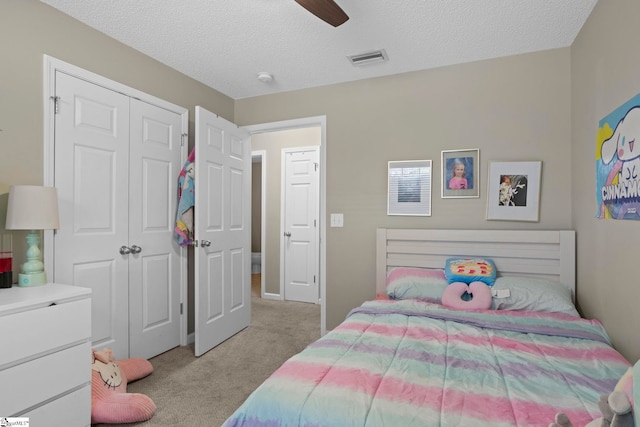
[514, 191]
[460, 174]
[409, 187]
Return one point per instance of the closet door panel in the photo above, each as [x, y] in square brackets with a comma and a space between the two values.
[154, 270]
[91, 171]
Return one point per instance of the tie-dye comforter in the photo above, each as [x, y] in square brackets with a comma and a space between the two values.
[409, 363]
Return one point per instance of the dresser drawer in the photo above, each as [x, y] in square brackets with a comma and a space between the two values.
[30, 333]
[71, 410]
[45, 378]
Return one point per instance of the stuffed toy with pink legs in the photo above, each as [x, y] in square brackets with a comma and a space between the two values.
[110, 402]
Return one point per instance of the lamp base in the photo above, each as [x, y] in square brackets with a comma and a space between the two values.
[32, 279]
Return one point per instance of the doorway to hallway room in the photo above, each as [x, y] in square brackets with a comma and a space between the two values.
[272, 138]
[258, 212]
[269, 231]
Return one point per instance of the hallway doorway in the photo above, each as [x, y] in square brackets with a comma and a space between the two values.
[272, 138]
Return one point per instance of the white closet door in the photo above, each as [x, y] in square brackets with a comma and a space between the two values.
[91, 171]
[223, 230]
[154, 264]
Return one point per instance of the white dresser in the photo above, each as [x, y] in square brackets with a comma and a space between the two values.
[45, 354]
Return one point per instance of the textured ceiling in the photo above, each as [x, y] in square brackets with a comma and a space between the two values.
[226, 43]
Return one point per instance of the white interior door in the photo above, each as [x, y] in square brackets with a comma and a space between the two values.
[300, 236]
[154, 263]
[91, 171]
[223, 230]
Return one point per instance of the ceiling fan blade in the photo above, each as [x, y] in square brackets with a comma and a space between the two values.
[327, 10]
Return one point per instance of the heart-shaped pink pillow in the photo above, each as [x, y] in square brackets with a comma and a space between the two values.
[479, 291]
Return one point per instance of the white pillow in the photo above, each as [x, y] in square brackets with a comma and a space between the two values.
[416, 283]
[534, 294]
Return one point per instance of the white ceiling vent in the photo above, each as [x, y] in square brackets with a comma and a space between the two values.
[368, 58]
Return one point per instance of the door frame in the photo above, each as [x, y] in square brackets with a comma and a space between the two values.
[306, 122]
[51, 66]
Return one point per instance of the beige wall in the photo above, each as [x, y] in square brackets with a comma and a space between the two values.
[273, 143]
[515, 108]
[605, 64]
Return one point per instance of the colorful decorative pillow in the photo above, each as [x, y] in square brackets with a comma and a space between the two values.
[467, 270]
[534, 294]
[416, 283]
[478, 296]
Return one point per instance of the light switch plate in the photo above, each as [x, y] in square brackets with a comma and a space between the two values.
[337, 220]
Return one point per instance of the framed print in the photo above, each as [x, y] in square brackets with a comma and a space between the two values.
[409, 188]
[460, 173]
[514, 191]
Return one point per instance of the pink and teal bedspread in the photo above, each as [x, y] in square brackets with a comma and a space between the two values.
[410, 363]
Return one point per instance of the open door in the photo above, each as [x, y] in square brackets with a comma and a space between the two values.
[223, 230]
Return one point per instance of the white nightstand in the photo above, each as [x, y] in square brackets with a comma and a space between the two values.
[45, 354]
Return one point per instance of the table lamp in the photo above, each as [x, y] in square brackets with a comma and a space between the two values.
[34, 208]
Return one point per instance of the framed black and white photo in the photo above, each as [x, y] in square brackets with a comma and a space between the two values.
[514, 191]
[460, 173]
[409, 188]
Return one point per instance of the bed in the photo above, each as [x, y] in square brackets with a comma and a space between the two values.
[405, 359]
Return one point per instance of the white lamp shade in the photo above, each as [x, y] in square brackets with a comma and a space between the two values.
[32, 207]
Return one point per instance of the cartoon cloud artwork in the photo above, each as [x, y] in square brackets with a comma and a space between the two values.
[618, 163]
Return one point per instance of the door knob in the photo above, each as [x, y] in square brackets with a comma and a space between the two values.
[135, 249]
[287, 234]
[205, 243]
[124, 250]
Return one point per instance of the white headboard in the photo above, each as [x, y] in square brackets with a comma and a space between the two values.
[548, 254]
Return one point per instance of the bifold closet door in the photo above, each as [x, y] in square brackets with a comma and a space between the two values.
[92, 178]
[154, 261]
[117, 160]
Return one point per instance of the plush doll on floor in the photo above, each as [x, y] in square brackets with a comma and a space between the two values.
[110, 402]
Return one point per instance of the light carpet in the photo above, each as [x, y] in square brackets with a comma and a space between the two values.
[204, 391]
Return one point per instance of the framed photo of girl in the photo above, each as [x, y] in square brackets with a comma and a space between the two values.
[514, 191]
[460, 173]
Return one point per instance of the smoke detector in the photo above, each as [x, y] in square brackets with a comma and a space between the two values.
[265, 77]
[368, 58]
